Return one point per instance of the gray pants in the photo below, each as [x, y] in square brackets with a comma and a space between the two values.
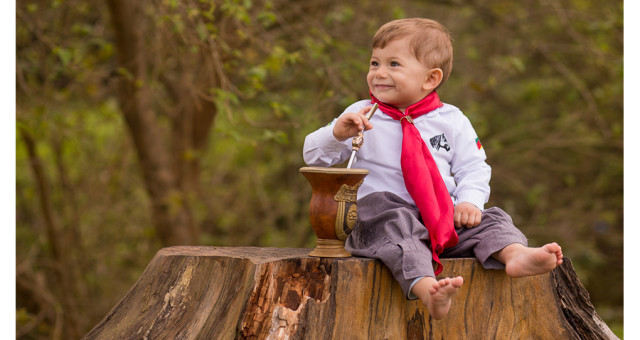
[390, 229]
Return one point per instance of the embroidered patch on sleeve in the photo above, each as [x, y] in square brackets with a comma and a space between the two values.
[478, 144]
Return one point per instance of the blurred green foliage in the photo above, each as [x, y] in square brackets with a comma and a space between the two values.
[540, 81]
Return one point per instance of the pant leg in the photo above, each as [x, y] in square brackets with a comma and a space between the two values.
[496, 231]
[390, 229]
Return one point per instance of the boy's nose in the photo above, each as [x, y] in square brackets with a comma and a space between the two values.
[381, 73]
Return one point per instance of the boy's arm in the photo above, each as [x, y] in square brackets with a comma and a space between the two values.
[471, 173]
[350, 124]
[321, 148]
[330, 145]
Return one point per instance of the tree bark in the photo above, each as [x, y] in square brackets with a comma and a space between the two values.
[64, 269]
[170, 209]
[271, 293]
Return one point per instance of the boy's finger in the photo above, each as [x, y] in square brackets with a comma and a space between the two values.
[356, 120]
[478, 219]
[463, 219]
[365, 109]
[366, 122]
[362, 123]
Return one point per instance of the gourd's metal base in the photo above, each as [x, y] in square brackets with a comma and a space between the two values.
[329, 248]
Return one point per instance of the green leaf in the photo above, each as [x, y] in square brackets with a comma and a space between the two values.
[64, 55]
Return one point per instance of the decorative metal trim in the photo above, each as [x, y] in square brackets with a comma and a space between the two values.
[347, 214]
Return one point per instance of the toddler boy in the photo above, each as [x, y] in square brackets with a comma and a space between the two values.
[428, 181]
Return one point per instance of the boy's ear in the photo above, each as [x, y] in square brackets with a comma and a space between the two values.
[433, 79]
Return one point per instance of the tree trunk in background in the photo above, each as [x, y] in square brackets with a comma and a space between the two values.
[169, 170]
[62, 262]
[190, 127]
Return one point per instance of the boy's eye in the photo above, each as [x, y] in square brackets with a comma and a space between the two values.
[374, 63]
[394, 63]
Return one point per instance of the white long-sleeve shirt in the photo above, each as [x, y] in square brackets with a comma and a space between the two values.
[448, 133]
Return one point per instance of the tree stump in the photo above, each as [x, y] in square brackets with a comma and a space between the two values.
[282, 293]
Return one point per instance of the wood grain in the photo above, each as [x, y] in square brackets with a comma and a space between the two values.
[282, 293]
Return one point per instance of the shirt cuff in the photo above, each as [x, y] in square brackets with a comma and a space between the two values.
[475, 197]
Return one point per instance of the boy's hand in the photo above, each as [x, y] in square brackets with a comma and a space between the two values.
[349, 124]
[467, 215]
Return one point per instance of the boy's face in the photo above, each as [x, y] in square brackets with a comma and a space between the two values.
[396, 77]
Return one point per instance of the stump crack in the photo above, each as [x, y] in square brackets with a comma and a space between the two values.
[176, 299]
[281, 297]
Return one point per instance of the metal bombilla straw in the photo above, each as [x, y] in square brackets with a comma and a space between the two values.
[359, 139]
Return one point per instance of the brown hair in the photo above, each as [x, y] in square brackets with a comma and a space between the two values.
[430, 42]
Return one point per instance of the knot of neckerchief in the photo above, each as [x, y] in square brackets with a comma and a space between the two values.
[422, 177]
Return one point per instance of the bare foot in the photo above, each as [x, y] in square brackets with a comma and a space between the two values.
[524, 261]
[436, 295]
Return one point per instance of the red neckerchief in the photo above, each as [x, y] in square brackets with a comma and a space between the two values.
[422, 177]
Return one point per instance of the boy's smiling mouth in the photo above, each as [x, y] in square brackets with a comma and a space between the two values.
[382, 86]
